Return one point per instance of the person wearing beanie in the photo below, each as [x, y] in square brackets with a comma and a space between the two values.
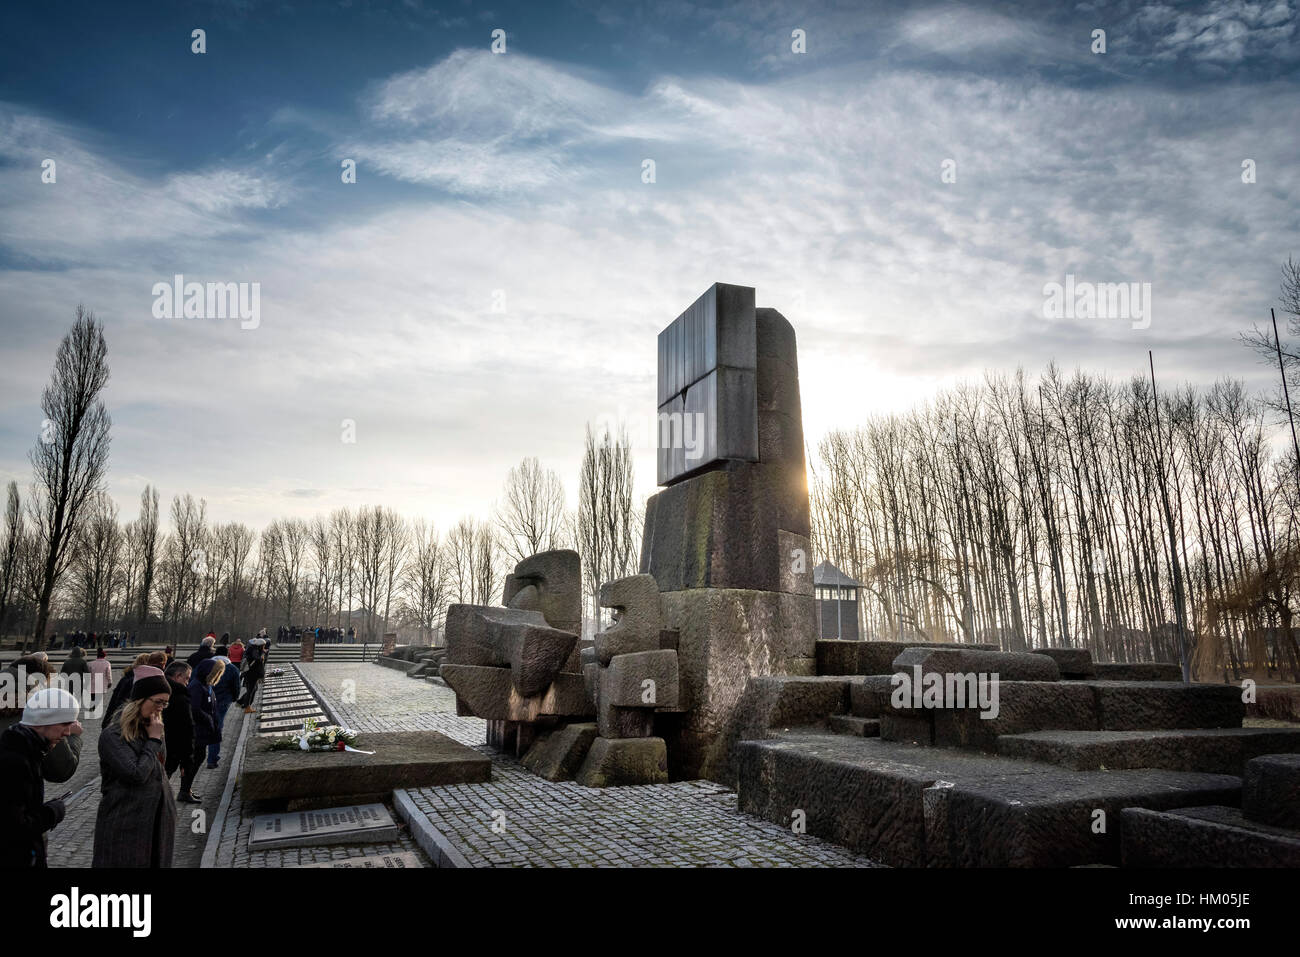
[136, 822]
[25, 816]
[35, 672]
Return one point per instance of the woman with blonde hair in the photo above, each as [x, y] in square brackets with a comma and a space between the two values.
[203, 707]
[136, 822]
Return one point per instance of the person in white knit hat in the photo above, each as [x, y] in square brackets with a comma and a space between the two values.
[49, 716]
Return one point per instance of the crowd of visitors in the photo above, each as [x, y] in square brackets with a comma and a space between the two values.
[163, 714]
[323, 636]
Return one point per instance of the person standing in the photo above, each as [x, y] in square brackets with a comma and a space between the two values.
[204, 651]
[227, 691]
[256, 657]
[178, 721]
[203, 707]
[237, 654]
[136, 822]
[101, 676]
[25, 816]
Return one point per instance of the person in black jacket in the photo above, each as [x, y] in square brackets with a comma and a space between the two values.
[25, 815]
[204, 651]
[203, 707]
[178, 722]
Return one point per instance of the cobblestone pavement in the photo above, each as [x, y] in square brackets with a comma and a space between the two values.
[72, 843]
[545, 824]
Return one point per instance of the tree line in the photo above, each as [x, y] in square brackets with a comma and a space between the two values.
[67, 557]
[1072, 511]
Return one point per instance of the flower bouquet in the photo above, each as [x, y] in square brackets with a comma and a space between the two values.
[318, 737]
[275, 672]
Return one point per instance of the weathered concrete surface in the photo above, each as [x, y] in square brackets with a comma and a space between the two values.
[1217, 750]
[1204, 837]
[883, 799]
[725, 638]
[1138, 671]
[559, 754]
[614, 762]
[489, 693]
[640, 620]
[1007, 666]
[520, 640]
[549, 582]
[1147, 705]
[402, 759]
[622, 684]
[837, 657]
[1271, 790]
[1073, 662]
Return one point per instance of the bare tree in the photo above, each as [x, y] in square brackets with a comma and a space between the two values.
[9, 551]
[608, 536]
[531, 516]
[70, 459]
[147, 532]
[425, 581]
[96, 563]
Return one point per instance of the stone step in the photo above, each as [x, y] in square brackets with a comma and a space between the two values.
[853, 725]
[1270, 791]
[1139, 671]
[1213, 750]
[838, 657]
[1025, 706]
[1204, 837]
[910, 806]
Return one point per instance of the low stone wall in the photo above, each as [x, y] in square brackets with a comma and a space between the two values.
[397, 664]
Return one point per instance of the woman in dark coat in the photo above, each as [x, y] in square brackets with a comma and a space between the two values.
[136, 823]
[203, 707]
[177, 719]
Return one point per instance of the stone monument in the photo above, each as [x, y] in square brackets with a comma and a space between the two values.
[727, 540]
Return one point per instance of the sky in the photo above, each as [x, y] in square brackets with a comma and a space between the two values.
[903, 189]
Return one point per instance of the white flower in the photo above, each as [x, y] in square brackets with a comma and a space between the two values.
[302, 743]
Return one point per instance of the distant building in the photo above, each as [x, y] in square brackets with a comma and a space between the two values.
[837, 603]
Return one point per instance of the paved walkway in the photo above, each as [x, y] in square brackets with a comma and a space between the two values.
[72, 843]
[519, 819]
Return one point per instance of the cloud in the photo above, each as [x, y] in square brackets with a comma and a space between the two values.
[495, 312]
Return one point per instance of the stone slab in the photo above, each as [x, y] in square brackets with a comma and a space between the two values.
[1270, 790]
[850, 724]
[1139, 671]
[1150, 705]
[1215, 750]
[402, 759]
[356, 824]
[557, 756]
[913, 806]
[1073, 662]
[622, 684]
[406, 860]
[841, 657]
[617, 762]
[1006, 666]
[1204, 837]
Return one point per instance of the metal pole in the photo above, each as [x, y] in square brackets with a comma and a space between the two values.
[1277, 342]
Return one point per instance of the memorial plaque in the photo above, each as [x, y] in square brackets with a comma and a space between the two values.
[404, 860]
[358, 824]
[288, 724]
[289, 700]
[708, 384]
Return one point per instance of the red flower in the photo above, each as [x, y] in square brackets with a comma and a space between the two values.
[339, 745]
